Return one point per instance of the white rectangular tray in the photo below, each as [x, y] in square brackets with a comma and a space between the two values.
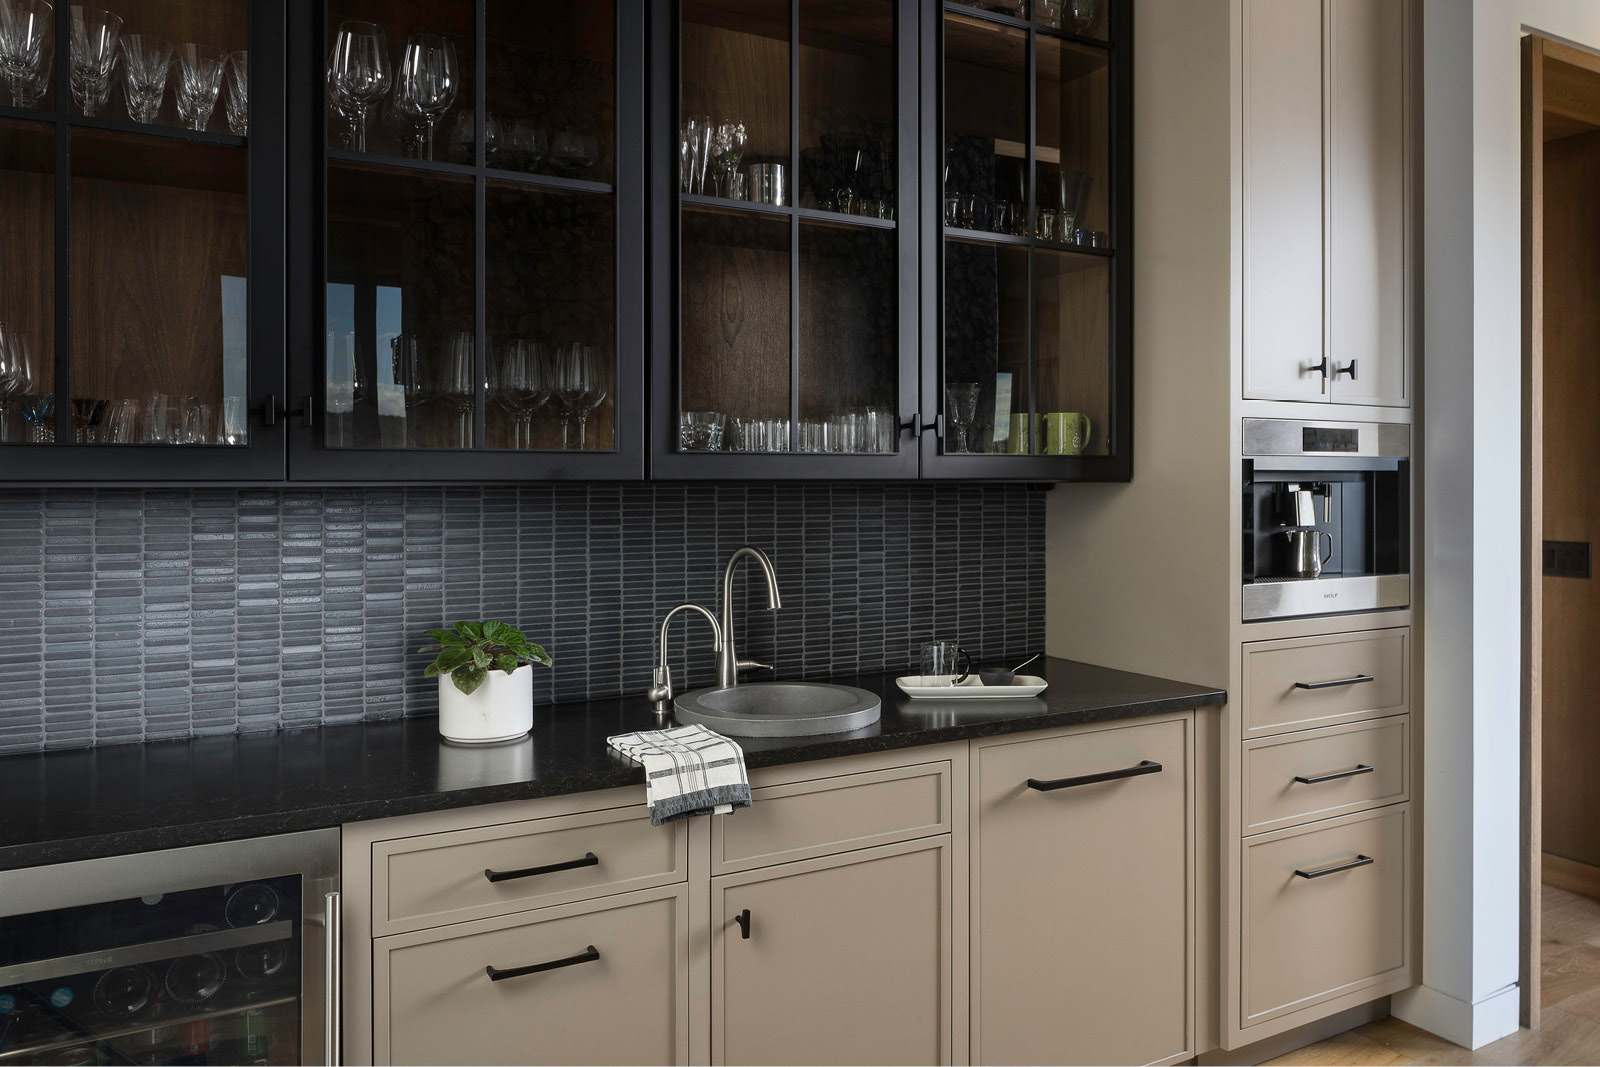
[1024, 685]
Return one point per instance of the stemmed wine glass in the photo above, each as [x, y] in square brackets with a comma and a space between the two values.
[94, 54]
[961, 403]
[24, 28]
[456, 384]
[578, 388]
[520, 381]
[429, 75]
[11, 382]
[727, 147]
[238, 102]
[146, 61]
[410, 369]
[360, 69]
[37, 392]
[199, 80]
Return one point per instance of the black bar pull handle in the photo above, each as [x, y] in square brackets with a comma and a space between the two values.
[1336, 683]
[1359, 861]
[743, 919]
[589, 860]
[588, 955]
[1349, 369]
[1144, 766]
[1333, 776]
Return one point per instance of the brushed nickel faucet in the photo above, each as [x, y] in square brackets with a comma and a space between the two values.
[660, 691]
[728, 662]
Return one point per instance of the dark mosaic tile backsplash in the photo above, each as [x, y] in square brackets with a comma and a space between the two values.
[132, 615]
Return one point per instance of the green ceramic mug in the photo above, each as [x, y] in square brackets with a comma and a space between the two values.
[1066, 433]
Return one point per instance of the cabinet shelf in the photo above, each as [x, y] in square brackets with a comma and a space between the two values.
[30, 1053]
[978, 14]
[718, 204]
[467, 170]
[116, 125]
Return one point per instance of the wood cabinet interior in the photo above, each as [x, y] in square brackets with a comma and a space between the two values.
[1073, 124]
[27, 232]
[848, 302]
[734, 348]
[1072, 346]
[158, 228]
[986, 331]
[1570, 618]
[735, 67]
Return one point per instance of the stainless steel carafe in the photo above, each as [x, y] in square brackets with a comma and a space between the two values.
[1305, 555]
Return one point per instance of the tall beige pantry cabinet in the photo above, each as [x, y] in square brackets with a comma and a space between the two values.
[1274, 198]
[1324, 173]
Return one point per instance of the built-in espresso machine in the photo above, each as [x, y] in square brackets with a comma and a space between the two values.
[1327, 517]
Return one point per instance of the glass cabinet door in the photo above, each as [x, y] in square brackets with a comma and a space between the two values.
[471, 271]
[790, 164]
[1033, 374]
[132, 176]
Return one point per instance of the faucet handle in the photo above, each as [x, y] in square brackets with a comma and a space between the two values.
[660, 691]
[752, 665]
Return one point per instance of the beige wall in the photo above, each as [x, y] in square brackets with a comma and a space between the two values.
[1138, 574]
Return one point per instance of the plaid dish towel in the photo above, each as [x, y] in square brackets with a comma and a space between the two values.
[688, 770]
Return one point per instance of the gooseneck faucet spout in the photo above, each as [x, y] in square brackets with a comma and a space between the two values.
[660, 692]
[728, 662]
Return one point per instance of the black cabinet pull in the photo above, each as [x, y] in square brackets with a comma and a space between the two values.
[1333, 776]
[1336, 683]
[589, 860]
[1349, 369]
[1359, 861]
[743, 919]
[588, 955]
[1323, 368]
[1144, 766]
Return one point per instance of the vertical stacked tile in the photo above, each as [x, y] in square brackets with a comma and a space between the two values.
[422, 584]
[168, 602]
[260, 620]
[68, 619]
[213, 620]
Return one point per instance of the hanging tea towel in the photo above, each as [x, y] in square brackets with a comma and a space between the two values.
[688, 770]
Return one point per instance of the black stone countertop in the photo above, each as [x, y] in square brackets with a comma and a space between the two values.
[59, 806]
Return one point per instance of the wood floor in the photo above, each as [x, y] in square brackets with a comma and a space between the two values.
[1570, 1033]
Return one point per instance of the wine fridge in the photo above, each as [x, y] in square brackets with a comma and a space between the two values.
[214, 954]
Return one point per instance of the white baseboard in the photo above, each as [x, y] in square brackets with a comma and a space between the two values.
[1469, 1025]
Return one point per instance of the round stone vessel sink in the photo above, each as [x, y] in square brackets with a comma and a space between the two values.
[779, 709]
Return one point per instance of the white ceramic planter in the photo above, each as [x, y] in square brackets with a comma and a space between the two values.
[499, 710]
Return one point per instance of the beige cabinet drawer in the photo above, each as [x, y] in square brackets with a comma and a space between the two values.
[1310, 939]
[1297, 778]
[432, 879]
[799, 820]
[618, 992]
[1082, 901]
[1307, 682]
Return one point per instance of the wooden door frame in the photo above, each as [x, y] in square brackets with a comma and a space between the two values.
[1532, 516]
[1536, 50]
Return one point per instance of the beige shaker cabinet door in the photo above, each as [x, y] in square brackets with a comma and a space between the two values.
[1082, 904]
[847, 959]
[1367, 217]
[613, 987]
[1283, 255]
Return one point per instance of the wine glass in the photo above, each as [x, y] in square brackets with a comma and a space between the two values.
[360, 68]
[961, 404]
[238, 102]
[430, 75]
[36, 393]
[146, 61]
[456, 384]
[578, 388]
[11, 381]
[404, 121]
[519, 382]
[94, 53]
[24, 28]
[727, 149]
[199, 80]
[86, 412]
[122, 423]
[340, 106]
[409, 363]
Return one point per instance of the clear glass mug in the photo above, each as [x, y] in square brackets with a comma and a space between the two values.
[944, 663]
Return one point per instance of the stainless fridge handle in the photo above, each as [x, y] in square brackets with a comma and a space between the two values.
[332, 975]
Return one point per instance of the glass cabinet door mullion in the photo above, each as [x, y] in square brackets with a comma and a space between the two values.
[794, 226]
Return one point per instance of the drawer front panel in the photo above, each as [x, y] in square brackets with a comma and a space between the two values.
[435, 1002]
[799, 820]
[1308, 682]
[1311, 939]
[1081, 908]
[440, 878]
[1348, 769]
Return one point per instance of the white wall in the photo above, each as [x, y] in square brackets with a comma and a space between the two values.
[1472, 544]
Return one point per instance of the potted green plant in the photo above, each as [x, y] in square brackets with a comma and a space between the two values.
[485, 672]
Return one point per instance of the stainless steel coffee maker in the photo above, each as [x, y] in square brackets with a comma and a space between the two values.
[1306, 558]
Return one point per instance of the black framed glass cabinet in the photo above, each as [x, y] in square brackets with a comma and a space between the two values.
[141, 308]
[476, 209]
[1026, 280]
